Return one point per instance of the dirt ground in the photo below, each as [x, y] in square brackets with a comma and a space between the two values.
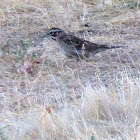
[35, 74]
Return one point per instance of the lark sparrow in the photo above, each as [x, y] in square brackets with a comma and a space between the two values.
[73, 46]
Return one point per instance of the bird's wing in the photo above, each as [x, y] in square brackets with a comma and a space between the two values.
[74, 41]
[81, 44]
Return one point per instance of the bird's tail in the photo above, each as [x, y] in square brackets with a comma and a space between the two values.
[101, 48]
[109, 47]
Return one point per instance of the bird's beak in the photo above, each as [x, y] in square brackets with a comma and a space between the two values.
[47, 35]
[44, 36]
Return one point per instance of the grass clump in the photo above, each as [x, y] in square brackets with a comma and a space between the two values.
[44, 95]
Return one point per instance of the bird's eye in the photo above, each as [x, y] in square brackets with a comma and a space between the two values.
[55, 34]
[51, 33]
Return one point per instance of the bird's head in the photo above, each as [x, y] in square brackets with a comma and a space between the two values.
[53, 33]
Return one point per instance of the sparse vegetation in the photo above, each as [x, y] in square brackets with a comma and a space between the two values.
[45, 96]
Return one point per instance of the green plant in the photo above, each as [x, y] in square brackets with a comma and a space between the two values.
[133, 4]
[2, 137]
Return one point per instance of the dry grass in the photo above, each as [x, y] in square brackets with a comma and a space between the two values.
[44, 95]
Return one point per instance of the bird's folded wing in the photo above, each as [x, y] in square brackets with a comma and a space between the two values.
[74, 41]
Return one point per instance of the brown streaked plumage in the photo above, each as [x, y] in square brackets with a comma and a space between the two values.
[74, 46]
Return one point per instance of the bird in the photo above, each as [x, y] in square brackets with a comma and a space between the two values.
[73, 46]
